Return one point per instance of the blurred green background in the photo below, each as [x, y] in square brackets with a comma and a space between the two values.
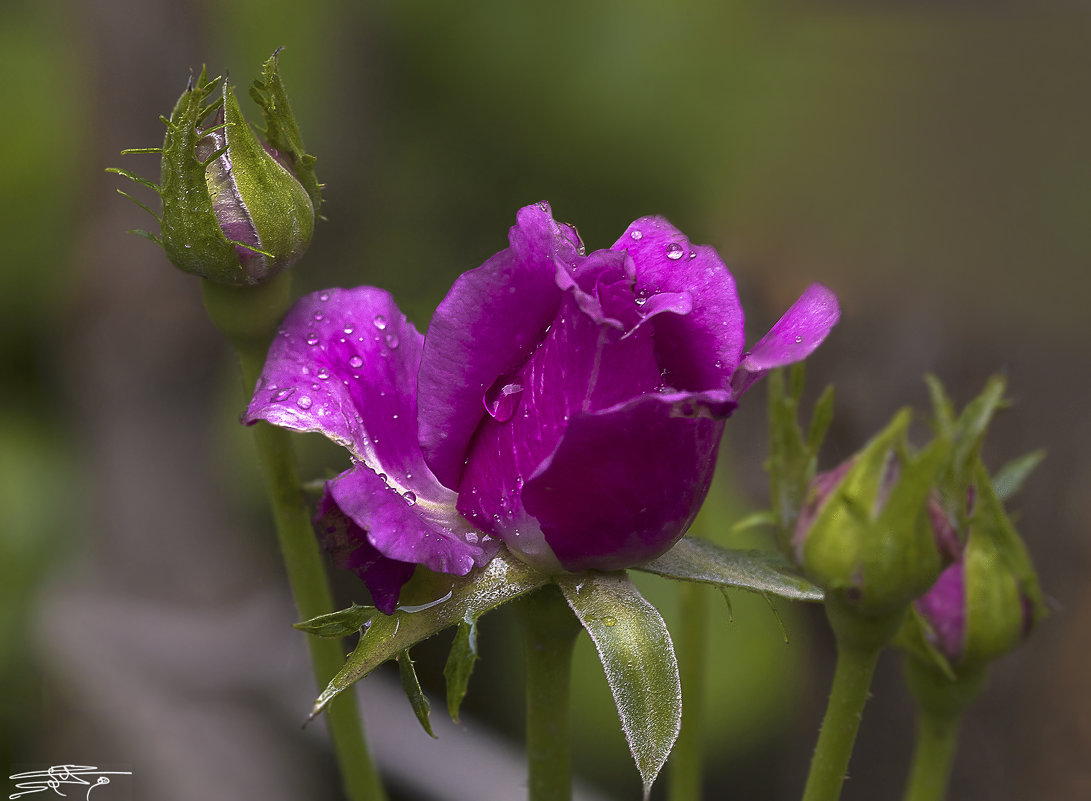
[928, 160]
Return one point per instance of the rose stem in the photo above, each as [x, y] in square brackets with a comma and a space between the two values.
[860, 640]
[940, 702]
[248, 317]
[684, 777]
[549, 629]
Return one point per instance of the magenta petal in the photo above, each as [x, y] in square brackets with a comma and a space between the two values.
[487, 325]
[345, 365]
[701, 349]
[407, 529]
[349, 546]
[625, 483]
[793, 338]
[944, 607]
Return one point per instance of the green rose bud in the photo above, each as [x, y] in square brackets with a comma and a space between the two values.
[235, 211]
[864, 532]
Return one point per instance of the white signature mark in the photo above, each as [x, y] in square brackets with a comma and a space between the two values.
[58, 776]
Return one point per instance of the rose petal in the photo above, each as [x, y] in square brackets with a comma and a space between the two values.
[407, 529]
[625, 483]
[487, 325]
[944, 607]
[584, 364]
[349, 546]
[793, 338]
[701, 349]
[345, 365]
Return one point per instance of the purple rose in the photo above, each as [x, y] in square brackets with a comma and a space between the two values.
[569, 406]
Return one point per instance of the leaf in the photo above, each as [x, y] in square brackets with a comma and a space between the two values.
[504, 579]
[413, 691]
[1009, 478]
[460, 665]
[638, 658]
[338, 624]
[693, 559]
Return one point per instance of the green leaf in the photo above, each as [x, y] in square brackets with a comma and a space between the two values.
[1009, 479]
[339, 624]
[503, 579]
[638, 658]
[460, 665]
[413, 691]
[693, 559]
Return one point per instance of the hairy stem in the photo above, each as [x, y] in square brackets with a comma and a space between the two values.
[684, 777]
[248, 317]
[550, 630]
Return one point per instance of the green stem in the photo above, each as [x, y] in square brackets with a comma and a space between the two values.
[249, 317]
[860, 640]
[684, 778]
[940, 702]
[933, 756]
[550, 631]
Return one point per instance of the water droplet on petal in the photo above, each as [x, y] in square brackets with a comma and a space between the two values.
[319, 317]
[348, 329]
[410, 498]
[391, 341]
[283, 395]
[674, 251]
[380, 322]
[312, 338]
[323, 373]
[799, 340]
[304, 402]
[324, 297]
[502, 398]
[356, 361]
[692, 255]
[637, 235]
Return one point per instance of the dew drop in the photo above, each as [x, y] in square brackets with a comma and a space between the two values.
[692, 255]
[391, 341]
[324, 297]
[356, 362]
[502, 398]
[410, 498]
[609, 622]
[349, 329]
[304, 402]
[380, 322]
[312, 338]
[637, 235]
[323, 373]
[283, 395]
[674, 251]
[319, 317]
[799, 340]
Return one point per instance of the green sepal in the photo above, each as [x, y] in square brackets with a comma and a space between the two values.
[191, 235]
[793, 454]
[999, 579]
[913, 637]
[460, 665]
[411, 686]
[281, 130]
[693, 559]
[873, 541]
[385, 636]
[1010, 478]
[638, 658]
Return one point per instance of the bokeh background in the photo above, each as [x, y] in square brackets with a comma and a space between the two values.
[928, 160]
